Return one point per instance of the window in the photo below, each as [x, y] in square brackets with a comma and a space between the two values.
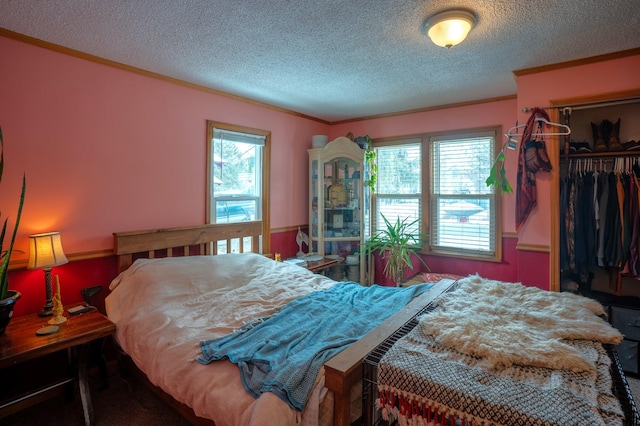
[463, 208]
[399, 189]
[447, 173]
[237, 166]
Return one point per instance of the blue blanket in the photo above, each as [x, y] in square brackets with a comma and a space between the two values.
[284, 353]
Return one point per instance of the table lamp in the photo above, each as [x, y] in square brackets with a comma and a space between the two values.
[45, 252]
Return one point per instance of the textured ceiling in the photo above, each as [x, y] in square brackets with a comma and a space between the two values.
[332, 59]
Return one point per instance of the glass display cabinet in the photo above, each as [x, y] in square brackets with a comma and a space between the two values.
[337, 206]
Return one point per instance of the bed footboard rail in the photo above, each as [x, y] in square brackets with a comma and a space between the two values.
[187, 241]
[346, 369]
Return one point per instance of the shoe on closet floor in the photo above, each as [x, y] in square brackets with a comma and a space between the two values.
[578, 148]
[583, 147]
[599, 144]
[631, 146]
[612, 133]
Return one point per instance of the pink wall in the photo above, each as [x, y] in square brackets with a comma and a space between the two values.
[579, 81]
[500, 113]
[107, 150]
[531, 267]
[74, 276]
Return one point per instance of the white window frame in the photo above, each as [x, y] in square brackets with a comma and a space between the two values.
[262, 212]
[378, 197]
[486, 195]
[427, 198]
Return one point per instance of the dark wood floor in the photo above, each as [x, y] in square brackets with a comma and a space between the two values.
[124, 402]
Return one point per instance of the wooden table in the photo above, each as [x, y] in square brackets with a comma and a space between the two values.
[20, 343]
[321, 264]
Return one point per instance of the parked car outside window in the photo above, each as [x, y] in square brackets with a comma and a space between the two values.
[229, 213]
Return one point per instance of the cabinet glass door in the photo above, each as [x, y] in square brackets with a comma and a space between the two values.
[342, 205]
[342, 198]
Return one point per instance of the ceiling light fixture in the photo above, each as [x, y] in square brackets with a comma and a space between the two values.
[450, 27]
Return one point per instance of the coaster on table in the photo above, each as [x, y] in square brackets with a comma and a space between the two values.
[49, 329]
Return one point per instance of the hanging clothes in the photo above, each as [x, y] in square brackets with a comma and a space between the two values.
[564, 209]
[613, 226]
[603, 196]
[585, 228]
[634, 211]
[600, 220]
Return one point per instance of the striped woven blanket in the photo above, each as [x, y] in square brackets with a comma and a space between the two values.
[422, 381]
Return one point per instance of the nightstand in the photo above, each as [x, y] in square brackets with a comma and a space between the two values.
[20, 344]
[322, 264]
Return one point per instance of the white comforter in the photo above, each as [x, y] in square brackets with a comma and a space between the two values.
[163, 308]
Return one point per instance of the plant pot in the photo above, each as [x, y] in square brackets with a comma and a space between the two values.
[362, 142]
[6, 309]
[379, 264]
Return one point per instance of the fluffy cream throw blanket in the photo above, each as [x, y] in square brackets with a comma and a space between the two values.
[509, 323]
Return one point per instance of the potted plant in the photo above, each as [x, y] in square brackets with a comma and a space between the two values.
[396, 244]
[8, 297]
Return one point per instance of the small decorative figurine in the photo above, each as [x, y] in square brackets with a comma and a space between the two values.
[278, 257]
[301, 237]
[58, 309]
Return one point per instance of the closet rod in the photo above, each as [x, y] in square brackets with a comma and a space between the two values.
[585, 105]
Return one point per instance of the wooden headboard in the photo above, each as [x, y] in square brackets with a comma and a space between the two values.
[187, 241]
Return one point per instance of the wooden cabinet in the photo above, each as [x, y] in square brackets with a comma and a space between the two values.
[337, 207]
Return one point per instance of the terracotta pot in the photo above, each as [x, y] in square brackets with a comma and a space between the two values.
[6, 309]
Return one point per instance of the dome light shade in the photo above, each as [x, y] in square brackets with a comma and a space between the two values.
[448, 28]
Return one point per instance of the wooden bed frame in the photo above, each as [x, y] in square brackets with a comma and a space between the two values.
[342, 372]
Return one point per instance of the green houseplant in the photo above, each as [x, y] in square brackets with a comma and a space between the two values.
[396, 244]
[7, 297]
[370, 159]
[365, 142]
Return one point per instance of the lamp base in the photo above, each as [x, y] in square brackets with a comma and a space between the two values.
[47, 309]
[46, 312]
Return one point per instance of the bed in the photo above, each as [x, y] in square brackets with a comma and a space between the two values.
[493, 353]
[162, 327]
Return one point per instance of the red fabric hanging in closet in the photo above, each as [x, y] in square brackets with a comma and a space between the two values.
[526, 197]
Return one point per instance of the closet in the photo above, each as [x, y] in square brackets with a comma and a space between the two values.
[599, 213]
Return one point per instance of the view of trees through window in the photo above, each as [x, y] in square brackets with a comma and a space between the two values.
[398, 190]
[236, 170]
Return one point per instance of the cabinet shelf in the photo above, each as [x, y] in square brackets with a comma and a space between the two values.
[340, 208]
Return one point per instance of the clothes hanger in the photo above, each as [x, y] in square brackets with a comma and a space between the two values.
[567, 130]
